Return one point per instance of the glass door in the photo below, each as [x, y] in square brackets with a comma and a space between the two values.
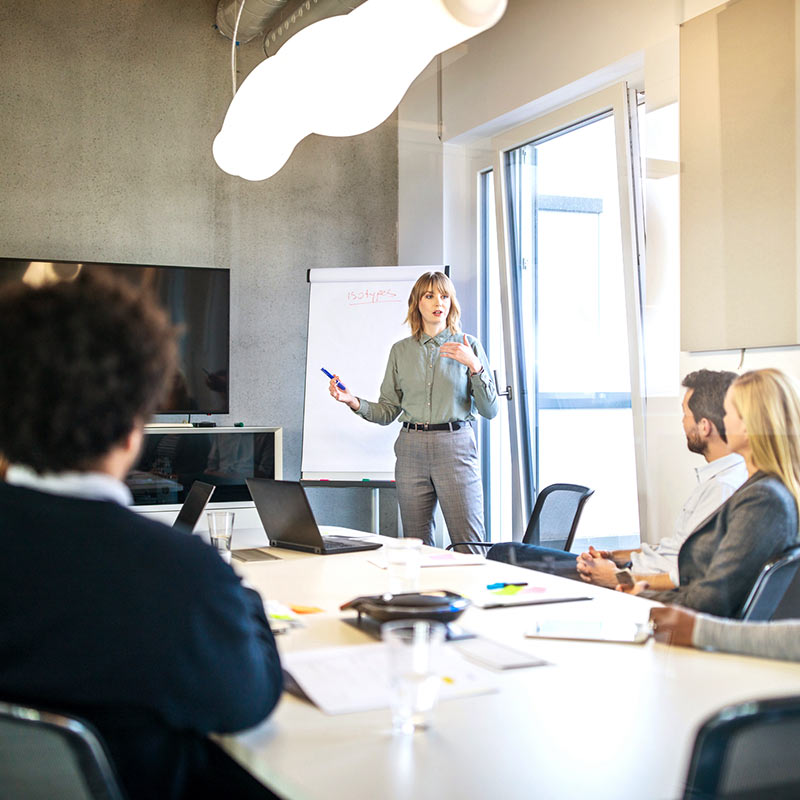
[571, 274]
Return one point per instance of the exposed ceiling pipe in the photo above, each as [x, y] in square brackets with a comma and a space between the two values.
[276, 20]
[299, 14]
[255, 16]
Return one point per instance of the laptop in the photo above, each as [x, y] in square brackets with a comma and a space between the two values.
[289, 522]
[193, 506]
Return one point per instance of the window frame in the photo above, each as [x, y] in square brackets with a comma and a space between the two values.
[620, 102]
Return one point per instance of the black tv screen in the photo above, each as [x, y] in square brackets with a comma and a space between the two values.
[197, 300]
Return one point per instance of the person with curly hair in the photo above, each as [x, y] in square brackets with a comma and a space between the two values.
[141, 630]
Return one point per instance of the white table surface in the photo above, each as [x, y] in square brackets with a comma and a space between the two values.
[601, 721]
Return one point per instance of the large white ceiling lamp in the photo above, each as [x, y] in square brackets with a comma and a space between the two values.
[340, 76]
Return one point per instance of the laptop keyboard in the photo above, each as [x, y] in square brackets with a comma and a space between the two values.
[338, 542]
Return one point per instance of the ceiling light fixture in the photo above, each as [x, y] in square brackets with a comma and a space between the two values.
[340, 76]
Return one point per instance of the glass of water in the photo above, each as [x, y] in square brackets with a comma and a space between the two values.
[403, 561]
[220, 529]
[413, 649]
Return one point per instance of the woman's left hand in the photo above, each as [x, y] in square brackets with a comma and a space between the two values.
[673, 625]
[461, 352]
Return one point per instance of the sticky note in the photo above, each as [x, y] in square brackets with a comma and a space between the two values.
[306, 609]
[509, 590]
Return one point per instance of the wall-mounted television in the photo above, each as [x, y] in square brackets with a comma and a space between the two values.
[197, 300]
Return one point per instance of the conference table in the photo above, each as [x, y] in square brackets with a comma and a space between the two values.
[599, 720]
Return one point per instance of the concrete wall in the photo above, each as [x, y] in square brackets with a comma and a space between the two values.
[109, 111]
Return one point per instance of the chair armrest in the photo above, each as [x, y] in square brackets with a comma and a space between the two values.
[468, 544]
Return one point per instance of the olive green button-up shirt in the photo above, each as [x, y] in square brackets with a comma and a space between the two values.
[423, 387]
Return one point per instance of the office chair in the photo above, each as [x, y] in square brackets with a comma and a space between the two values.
[747, 751]
[45, 756]
[776, 592]
[554, 519]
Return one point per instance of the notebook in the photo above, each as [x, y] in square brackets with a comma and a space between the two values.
[622, 631]
[289, 522]
[193, 506]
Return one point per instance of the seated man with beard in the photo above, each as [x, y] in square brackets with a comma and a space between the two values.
[717, 480]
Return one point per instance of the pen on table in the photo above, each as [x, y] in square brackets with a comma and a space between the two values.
[338, 383]
[504, 585]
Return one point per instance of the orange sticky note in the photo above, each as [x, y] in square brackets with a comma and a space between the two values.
[305, 609]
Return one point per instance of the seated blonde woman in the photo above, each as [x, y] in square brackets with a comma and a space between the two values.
[720, 560]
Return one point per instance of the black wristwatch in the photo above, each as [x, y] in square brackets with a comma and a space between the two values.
[624, 578]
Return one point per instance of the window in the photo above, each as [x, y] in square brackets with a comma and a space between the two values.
[496, 446]
[575, 312]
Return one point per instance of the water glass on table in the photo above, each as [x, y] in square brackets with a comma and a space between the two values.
[220, 529]
[403, 560]
[413, 648]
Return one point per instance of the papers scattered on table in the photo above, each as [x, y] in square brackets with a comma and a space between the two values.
[341, 680]
[438, 558]
[525, 596]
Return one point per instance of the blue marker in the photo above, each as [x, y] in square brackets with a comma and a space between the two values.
[493, 586]
[338, 383]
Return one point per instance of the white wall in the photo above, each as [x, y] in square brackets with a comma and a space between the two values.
[542, 54]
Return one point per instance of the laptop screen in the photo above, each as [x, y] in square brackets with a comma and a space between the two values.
[195, 504]
[285, 512]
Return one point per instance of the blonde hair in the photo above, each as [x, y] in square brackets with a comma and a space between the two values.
[426, 282]
[768, 401]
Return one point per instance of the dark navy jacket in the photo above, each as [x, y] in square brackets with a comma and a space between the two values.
[721, 559]
[140, 629]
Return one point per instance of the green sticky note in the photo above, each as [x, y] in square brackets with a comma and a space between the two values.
[509, 590]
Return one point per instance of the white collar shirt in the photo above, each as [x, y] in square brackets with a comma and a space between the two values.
[83, 485]
[716, 482]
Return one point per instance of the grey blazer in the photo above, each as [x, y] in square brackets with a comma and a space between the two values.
[720, 560]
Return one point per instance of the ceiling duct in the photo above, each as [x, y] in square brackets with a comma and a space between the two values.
[276, 20]
[256, 15]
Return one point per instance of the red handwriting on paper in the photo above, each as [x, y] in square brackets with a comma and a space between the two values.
[364, 296]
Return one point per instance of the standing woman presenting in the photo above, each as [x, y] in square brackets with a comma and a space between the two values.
[435, 380]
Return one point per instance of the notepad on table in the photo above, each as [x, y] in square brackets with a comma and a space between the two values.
[529, 595]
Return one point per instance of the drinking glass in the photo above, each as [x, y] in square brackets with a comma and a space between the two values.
[413, 648]
[220, 529]
[403, 559]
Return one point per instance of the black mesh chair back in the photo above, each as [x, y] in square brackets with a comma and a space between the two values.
[554, 519]
[44, 756]
[556, 515]
[747, 752]
[776, 592]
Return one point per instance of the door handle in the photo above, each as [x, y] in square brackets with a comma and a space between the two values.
[508, 393]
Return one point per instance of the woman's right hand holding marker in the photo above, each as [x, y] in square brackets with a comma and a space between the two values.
[342, 395]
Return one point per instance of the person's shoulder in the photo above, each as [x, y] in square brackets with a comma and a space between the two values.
[409, 343]
[766, 489]
[773, 485]
[174, 557]
[167, 542]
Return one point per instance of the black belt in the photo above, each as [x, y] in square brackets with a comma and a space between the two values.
[439, 426]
